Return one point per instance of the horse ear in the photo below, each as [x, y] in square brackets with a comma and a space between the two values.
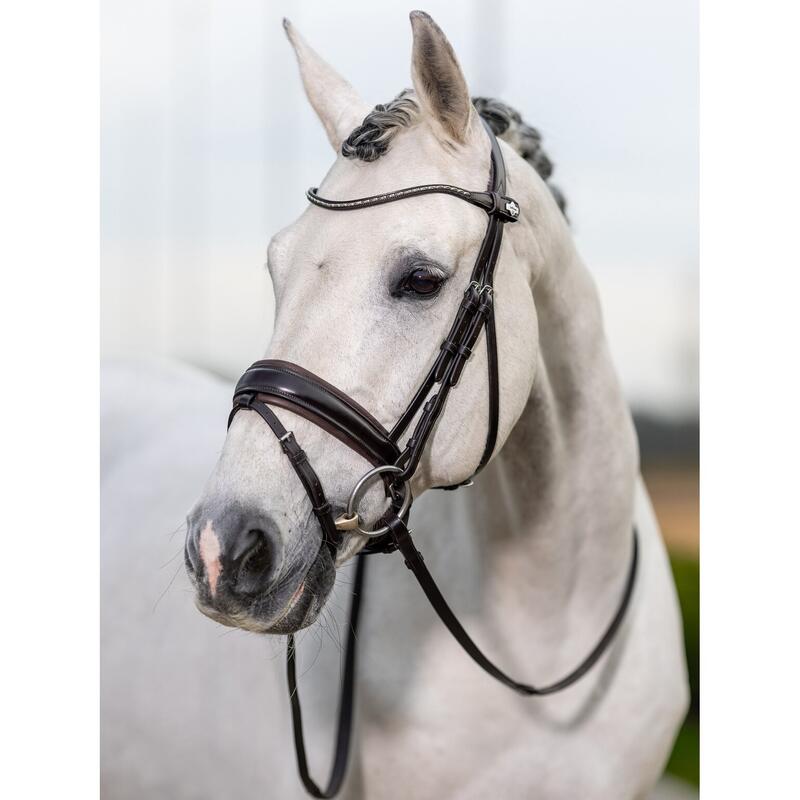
[338, 105]
[438, 79]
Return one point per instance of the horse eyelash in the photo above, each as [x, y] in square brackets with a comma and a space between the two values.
[437, 272]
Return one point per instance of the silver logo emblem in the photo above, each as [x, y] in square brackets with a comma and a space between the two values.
[512, 208]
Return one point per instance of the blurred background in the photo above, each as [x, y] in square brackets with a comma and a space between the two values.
[208, 145]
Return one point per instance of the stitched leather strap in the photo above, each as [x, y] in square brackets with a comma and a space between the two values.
[289, 386]
[491, 202]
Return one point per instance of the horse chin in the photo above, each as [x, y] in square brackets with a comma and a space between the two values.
[291, 606]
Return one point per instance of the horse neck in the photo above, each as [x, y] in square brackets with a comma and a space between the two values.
[563, 485]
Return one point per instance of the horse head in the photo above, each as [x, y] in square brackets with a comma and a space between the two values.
[363, 300]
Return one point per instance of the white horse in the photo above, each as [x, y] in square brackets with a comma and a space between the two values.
[533, 557]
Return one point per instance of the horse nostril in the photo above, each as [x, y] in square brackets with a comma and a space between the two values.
[236, 551]
[256, 561]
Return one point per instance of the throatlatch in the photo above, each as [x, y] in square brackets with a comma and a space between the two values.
[284, 385]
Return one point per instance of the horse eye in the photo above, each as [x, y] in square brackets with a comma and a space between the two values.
[423, 282]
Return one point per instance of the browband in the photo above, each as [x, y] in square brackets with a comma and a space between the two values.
[492, 203]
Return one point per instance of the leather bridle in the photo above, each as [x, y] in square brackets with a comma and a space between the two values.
[272, 383]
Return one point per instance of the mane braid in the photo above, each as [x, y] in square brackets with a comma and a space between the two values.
[372, 138]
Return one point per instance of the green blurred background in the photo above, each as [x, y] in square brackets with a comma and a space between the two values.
[670, 460]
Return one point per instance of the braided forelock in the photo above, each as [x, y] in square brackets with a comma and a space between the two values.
[371, 139]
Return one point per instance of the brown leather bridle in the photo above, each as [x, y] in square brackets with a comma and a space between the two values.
[272, 383]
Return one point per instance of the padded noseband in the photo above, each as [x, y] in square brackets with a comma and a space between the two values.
[286, 385]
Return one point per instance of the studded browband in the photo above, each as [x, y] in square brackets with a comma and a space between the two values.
[491, 202]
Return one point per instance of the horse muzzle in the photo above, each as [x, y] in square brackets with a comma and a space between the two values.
[242, 578]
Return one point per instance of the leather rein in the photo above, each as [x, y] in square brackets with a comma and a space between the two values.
[273, 383]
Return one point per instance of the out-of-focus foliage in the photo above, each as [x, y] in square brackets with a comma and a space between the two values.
[685, 759]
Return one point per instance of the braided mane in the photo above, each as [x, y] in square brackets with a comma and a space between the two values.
[372, 138]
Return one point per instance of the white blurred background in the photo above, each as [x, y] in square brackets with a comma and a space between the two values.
[208, 145]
